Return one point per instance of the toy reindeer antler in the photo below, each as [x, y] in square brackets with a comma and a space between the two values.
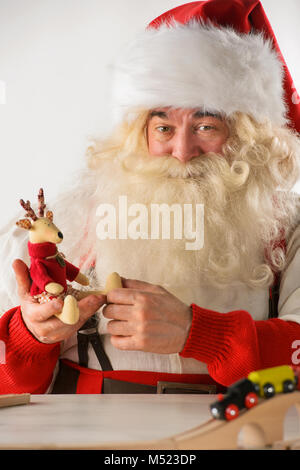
[25, 223]
[41, 205]
[30, 212]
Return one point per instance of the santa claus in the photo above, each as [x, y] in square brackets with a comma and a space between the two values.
[204, 118]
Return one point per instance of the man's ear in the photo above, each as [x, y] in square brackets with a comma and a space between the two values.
[24, 223]
[49, 215]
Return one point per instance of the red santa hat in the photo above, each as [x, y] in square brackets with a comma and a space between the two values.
[220, 55]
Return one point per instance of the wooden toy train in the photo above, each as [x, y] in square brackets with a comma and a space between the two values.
[245, 393]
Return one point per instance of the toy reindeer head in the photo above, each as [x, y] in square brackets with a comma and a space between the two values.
[41, 228]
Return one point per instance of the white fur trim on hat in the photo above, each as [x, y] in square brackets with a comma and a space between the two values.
[199, 65]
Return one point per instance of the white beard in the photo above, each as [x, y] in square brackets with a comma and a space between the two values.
[165, 262]
[233, 249]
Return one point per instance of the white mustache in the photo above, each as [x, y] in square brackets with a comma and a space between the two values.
[209, 166]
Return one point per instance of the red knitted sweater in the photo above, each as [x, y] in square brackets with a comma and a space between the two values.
[231, 345]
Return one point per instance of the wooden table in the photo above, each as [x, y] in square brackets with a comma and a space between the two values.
[99, 421]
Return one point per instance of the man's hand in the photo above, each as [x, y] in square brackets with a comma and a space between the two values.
[146, 317]
[39, 318]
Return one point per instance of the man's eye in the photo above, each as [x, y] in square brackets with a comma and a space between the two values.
[205, 128]
[163, 129]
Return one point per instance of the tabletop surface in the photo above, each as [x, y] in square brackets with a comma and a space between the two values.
[87, 421]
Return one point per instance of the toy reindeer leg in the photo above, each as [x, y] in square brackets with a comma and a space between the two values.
[113, 281]
[70, 312]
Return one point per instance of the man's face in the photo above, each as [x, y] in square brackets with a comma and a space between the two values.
[185, 133]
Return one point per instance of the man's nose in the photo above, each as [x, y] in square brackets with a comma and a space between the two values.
[184, 147]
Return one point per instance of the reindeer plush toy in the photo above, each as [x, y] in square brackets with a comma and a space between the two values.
[49, 270]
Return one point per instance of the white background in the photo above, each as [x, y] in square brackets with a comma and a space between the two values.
[54, 70]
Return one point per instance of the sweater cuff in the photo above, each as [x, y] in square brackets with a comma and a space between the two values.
[213, 335]
[23, 344]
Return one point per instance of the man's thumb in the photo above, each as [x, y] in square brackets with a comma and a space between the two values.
[22, 277]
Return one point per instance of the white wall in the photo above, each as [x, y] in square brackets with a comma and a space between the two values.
[54, 57]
